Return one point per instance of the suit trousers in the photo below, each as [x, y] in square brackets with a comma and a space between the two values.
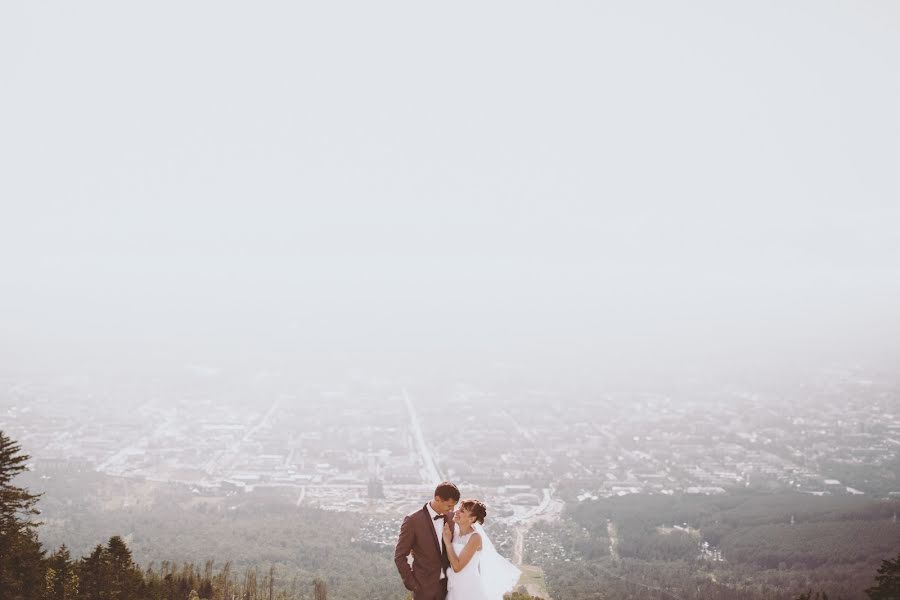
[435, 593]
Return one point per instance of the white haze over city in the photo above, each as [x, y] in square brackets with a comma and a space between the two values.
[610, 190]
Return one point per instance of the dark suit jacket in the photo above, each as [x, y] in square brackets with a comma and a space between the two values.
[417, 535]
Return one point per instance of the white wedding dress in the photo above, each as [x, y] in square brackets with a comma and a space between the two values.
[487, 576]
[467, 584]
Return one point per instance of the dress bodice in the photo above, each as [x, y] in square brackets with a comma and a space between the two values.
[460, 540]
[465, 585]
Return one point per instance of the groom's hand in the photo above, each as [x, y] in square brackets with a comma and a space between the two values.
[402, 551]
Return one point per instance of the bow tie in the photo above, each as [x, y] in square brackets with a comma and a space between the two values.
[438, 517]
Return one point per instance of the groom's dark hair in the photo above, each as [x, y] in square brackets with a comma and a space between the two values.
[447, 491]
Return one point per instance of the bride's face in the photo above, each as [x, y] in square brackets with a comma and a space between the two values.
[463, 517]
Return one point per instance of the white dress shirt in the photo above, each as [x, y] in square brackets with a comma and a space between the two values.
[439, 530]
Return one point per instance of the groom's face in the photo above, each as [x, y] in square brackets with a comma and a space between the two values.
[443, 506]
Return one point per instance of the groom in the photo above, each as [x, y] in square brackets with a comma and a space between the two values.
[421, 534]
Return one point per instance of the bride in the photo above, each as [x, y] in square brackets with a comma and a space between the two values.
[479, 572]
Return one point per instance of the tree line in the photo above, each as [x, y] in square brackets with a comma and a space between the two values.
[109, 572]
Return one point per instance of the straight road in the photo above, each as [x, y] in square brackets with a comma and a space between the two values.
[430, 472]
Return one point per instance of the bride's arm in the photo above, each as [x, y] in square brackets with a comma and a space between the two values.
[459, 562]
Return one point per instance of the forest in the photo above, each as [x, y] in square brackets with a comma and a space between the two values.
[788, 547]
[772, 546]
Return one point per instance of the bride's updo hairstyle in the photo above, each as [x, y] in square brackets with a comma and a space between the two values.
[476, 508]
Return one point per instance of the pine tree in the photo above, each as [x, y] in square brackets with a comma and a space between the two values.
[22, 568]
[61, 580]
[125, 577]
[17, 505]
[94, 575]
[887, 586]
[21, 557]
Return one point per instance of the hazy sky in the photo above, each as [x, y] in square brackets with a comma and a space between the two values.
[628, 183]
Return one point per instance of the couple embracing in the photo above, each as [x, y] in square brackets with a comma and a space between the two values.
[452, 556]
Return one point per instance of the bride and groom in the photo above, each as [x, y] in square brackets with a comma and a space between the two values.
[452, 556]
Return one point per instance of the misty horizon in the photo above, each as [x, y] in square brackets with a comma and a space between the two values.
[623, 192]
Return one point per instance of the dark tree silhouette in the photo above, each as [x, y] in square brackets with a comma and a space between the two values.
[124, 577]
[17, 505]
[62, 580]
[93, 575]
[887, 582]
[21, 556]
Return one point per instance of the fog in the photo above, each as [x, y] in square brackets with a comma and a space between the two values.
[618, 190]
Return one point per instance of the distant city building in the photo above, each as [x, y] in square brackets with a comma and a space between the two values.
[375, 489]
